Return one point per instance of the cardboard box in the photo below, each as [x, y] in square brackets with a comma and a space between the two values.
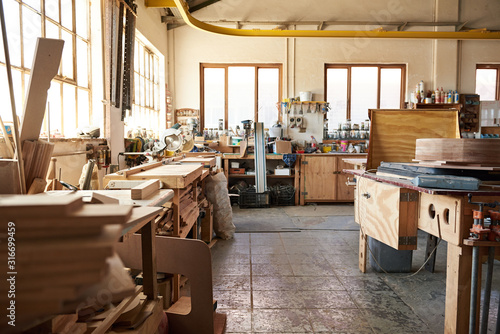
[282, 171]
[282, 146]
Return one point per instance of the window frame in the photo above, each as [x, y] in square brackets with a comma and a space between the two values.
[152, 104]
[489, 67]
[379, 68]
[25, 69]
[226, 66]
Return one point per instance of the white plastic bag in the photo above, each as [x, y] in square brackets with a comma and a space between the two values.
[216, 192]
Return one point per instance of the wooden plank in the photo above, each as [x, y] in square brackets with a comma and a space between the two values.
[458, 150]
[362, 251]
[458, 283]
[106, 324]
[172, 176]
[393, 133]
[10, 177]
[140, 168]
[45, 66]
[145, 189]
[39, 205]
[37, 187]
[207, 230]
[207, 162]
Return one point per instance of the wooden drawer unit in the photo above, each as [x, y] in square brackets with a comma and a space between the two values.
[387, 213]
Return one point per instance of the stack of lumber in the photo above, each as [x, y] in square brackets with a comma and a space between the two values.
[59, 249]
[188, 206]
[165, 221]
[36, 157]
[459, 151]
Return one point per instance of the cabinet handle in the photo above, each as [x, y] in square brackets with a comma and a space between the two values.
[367, 195]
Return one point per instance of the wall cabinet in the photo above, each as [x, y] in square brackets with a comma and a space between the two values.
[321, 178]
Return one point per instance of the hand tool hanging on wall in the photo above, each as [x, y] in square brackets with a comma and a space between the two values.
[122, 55]
[128, 62]
[117, 66]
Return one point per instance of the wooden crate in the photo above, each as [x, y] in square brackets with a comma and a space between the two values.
[393, 133]
[388, 213]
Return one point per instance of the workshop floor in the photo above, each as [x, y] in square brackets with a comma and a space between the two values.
[309, 281]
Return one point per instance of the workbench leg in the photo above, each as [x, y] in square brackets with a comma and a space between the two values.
[176, 287]
[149, 260]
[458, 283]
[431, 244]
[362, 251]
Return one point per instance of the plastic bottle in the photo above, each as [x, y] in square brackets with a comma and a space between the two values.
[421, 86]
[456, 97]
[314, 143]
[433, 98]
[450, 97]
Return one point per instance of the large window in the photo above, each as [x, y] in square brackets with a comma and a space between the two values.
[240, 92]
[70, 91]
[488, 81]
[145, 112]
[353, 89]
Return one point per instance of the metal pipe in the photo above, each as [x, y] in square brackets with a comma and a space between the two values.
[473, 290]
[483, 325]
[497, 327]
[452, 35]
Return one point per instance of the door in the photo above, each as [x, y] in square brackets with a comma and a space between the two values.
[319, 178]
[344, 192]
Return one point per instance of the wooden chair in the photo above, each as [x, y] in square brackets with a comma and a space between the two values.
[192, 259]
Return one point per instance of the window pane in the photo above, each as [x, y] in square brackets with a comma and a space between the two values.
[67, 14]
[486, 84]
[69, 110]
[83, 108]
[35, 4]
[52, 9]
[51, 30]
[390, 88]
[67, 56]
[81, 61]
[6, 111]
[13, 33]
[336, 94]
[54, 98]
[213, 84]
[268, 96]
[241, 95]
[31, 31]
[81, 7]
[363, 92]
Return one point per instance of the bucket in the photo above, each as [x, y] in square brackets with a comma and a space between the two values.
[305, 96]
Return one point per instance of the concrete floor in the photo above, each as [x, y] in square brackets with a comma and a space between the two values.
[309, 281]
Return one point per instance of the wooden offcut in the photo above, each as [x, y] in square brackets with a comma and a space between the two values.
[45, 66]
[393, 133]
[145, 189]
[459, 151]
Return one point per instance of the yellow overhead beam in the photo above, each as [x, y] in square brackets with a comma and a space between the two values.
[159, 3]
[191, 21]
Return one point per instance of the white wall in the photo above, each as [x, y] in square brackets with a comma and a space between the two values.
[447, 64]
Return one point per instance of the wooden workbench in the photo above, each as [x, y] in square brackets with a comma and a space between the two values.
[391, 210]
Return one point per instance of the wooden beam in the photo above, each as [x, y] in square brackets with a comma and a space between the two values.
[145, 189]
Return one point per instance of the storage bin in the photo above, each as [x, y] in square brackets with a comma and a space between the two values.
[250, 199]
[390, 259]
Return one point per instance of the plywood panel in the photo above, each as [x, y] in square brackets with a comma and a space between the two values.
[439, 215]
[384, 215]
[344, 192]
[393, 133]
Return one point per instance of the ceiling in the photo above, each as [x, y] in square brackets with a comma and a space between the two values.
[338, 14]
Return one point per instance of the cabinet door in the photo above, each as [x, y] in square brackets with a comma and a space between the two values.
[319, 178]
[344, 192]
